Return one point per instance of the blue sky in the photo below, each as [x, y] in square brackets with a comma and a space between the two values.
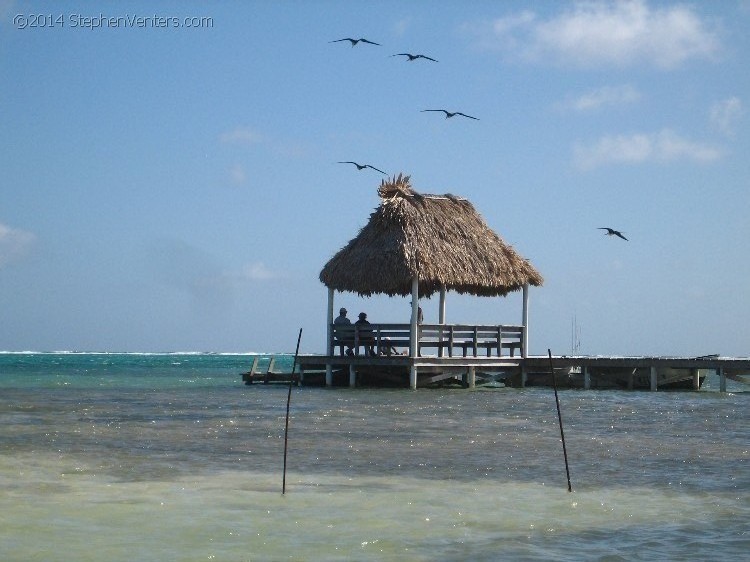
[172, 188]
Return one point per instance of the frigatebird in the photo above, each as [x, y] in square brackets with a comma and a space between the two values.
[413, 57]
[355, 41]
[449, 114]
[363, 166]
[612, 232]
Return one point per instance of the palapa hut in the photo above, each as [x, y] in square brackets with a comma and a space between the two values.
[419, 244]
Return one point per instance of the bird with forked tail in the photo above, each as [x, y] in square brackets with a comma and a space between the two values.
[612, 232]
[355, 41]
[449, 114]
[413, 57]
[363, 166]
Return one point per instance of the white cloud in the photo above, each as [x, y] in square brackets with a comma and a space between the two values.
[257, 272]
[240, 135]
[607, 96]
[663, 146]
[14, 243]
[725, 115]
[600, 33]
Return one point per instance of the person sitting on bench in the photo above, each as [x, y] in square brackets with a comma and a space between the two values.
[366, 337]
[342, 320]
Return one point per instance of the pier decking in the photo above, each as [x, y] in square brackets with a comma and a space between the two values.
[586, 372]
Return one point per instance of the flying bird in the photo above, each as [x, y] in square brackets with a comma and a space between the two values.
[413, 57]
[449, 114]
[355, 41]
[363, 166]
[612, 232]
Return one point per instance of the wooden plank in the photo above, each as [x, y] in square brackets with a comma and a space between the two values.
[255, 364]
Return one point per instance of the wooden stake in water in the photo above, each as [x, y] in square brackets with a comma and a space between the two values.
[559, 419]
[288, 402]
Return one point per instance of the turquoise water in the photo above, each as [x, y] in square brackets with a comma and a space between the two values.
[171, 457]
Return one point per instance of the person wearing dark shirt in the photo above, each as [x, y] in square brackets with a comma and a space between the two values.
[366, 337]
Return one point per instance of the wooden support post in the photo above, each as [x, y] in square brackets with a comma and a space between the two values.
[329, 338]
[471, 377]
[441, 312]
[525, 322]
[413, 328]
[414, 332]
[696, 379]
[722, 379]
[586, 378]
[441, 319]
[653, 379]
[352, 376]
[523, 375]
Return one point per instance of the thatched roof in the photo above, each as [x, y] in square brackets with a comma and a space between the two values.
[440, 238]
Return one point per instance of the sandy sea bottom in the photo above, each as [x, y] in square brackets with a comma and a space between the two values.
[243, 516]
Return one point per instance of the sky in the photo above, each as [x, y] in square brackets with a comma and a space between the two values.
[170, 177]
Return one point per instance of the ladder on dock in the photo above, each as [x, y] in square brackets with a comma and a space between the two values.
[256, 374]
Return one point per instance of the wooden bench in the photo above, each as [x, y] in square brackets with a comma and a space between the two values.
[381, 337]
[469, 339]
[494, 339]
[434, 336]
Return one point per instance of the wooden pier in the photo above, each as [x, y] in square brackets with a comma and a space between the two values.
[631, 373]
[584, 372]
[379, 355]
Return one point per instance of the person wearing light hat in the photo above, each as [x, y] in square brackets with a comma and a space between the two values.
[342, 320]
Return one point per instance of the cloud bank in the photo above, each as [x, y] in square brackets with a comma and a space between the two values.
[594, 34]
[663, 146]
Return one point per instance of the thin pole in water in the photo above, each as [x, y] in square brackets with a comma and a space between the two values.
[559, 419]
[288, 402]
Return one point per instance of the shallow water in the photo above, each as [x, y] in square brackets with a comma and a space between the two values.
[173, 458]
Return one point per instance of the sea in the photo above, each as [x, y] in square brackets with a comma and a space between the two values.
[170, 457]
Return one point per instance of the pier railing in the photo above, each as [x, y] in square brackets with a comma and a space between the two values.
[464, 340]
